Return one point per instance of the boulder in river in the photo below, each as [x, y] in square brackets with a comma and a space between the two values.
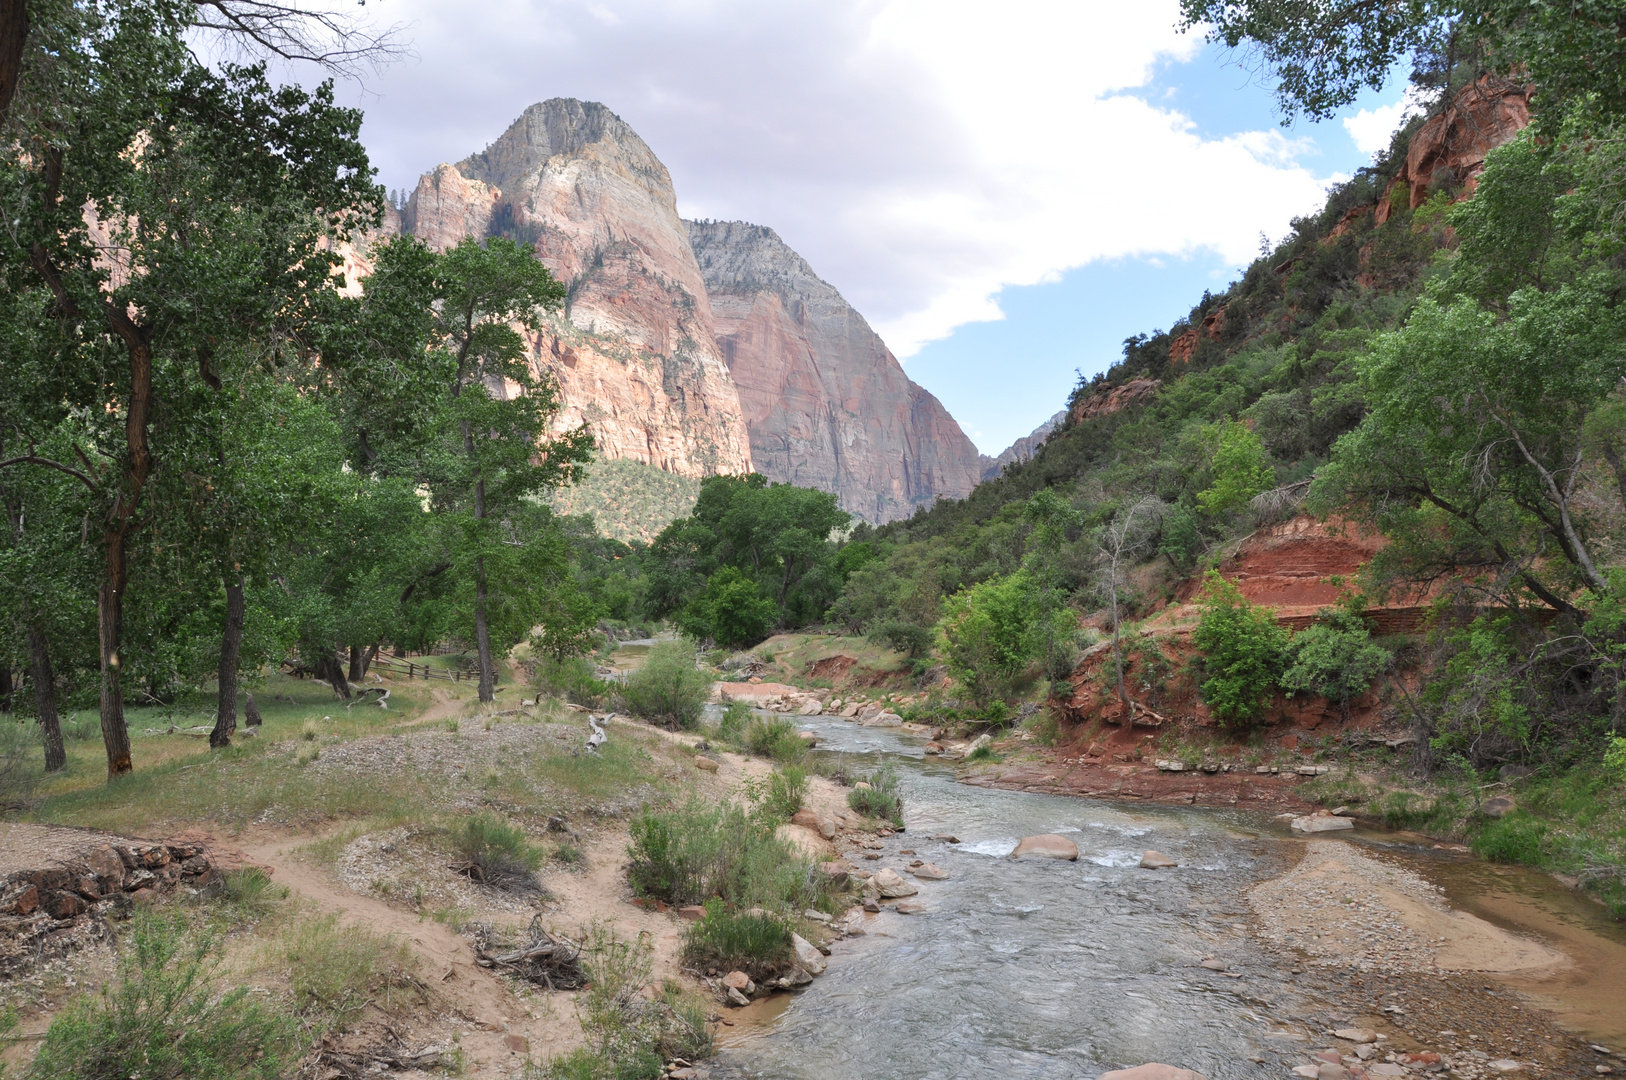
[1156, 860]
[1046, 846]
[929, 872]
[1152, 1071]
[1315, 823]
[807, 957]
[890, 884]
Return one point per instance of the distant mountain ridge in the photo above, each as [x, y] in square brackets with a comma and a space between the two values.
[698, 348]
[1022, 449]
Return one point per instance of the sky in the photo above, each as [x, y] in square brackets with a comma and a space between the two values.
[1005, 191]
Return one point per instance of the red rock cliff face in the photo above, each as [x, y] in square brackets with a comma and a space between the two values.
[634, 352]
[826, 403]
[1451, 147]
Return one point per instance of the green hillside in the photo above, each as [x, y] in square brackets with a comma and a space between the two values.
[628, 500]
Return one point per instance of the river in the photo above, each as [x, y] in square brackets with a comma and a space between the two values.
[1060, 969]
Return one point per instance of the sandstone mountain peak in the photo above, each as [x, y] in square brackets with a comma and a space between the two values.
[548, 129]
[826, 402]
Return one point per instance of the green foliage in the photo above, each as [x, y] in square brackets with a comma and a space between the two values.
[1333, 657]
[731, 611]
[496, 852]
[627, 500]
[574, 678]
[987, 634]
[1241, 470]
[336, 969]
[704, 849]
[164, 1017]
[881, 798]
[731, 725]
[1614, 758]
[774, 737]
[911, 640]
[631, 1032]
[1182, 537]
[1242, 653]
[668, 689]
[1478, 710]
[780, 794]
[755, 942]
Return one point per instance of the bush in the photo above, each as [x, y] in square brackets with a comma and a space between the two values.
[668, 689]
[1333, 657]
[629, 1036]
[573, 678]
[1614, 758]
[881, 798]
[1516, 838]
[164, 1018]
[907, 638]
[17, 777]
[1242, 652]
[987, 634]
[781, 794]
[496, 853]
[732, 611]
[755, 942]
[1242, 470]
[337, 970]
[774, 737]
[731, 726]
[703, 849]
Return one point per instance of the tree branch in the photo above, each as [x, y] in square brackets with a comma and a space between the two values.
[35, 459]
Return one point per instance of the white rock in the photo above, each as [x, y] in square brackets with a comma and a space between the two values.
[811, 960]
[891, 885]
[1505, 1065]
[1322, 823]
[810, 708]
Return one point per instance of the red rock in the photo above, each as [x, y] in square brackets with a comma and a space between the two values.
[738, 980]
[827, 404]
[105, 863]
[694, 912]
[88, 887]
[1423, 1057]
[1115, 399]
[21, 899]
[60, 904]
[1047, 846]
[1153, 1071]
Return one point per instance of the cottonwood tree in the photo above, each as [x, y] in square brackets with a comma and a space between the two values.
[494, 455]
[1119, 543]
[180, 221]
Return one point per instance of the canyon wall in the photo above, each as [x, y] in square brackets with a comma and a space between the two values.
[826, 403]
[633, 352]
[1022, 449]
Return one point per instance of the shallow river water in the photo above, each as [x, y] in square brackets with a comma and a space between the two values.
[1057, 969]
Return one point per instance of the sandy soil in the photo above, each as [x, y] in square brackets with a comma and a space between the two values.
[1341, 905]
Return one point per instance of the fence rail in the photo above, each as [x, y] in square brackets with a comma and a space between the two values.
[419, 671]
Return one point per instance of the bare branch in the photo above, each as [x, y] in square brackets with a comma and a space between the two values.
[35, 459]
[328, 37]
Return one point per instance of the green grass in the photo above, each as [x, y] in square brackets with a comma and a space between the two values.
[775, 738]
[703, 849]
[755, 942]
[335, 969]
[880, 799]
[497, 852]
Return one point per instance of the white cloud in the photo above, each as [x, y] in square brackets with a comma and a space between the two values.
[922, 154]
[1372, 129]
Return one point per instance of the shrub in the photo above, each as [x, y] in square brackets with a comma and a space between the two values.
[573, 678]
[163, 1018]
[755, 942]
[668, 689]
[496, 853]
[774, 737]
[704, 849]
[1242, 652]
[987, 634]
[731, 727]
[337, 970]
[1242, 470]
[1614, 758]
[732, 611]
[630, 1036]
[881, 799]
[17, 745]
[1517, 838]
[781, 794]
[1333, 657]
[907, 638]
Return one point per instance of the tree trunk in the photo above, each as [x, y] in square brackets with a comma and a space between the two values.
[231, 646]
[356, 668]
[325, 665]
[13, 38]
[482, 634]
[110, 627]
[5, 689]
[45, 699]
[251, 712]
[367, 659]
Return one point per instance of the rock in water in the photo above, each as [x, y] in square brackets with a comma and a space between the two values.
[738, 980]
[1047, 846]
[890, 884]
[1152, 1071]
[930, 872]
[1156, 860]
[810, 959]
[1321, 823]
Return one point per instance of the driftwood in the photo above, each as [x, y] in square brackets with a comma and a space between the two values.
[599, 736]
[333, 1063]
[362, 698]
[543, 959]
